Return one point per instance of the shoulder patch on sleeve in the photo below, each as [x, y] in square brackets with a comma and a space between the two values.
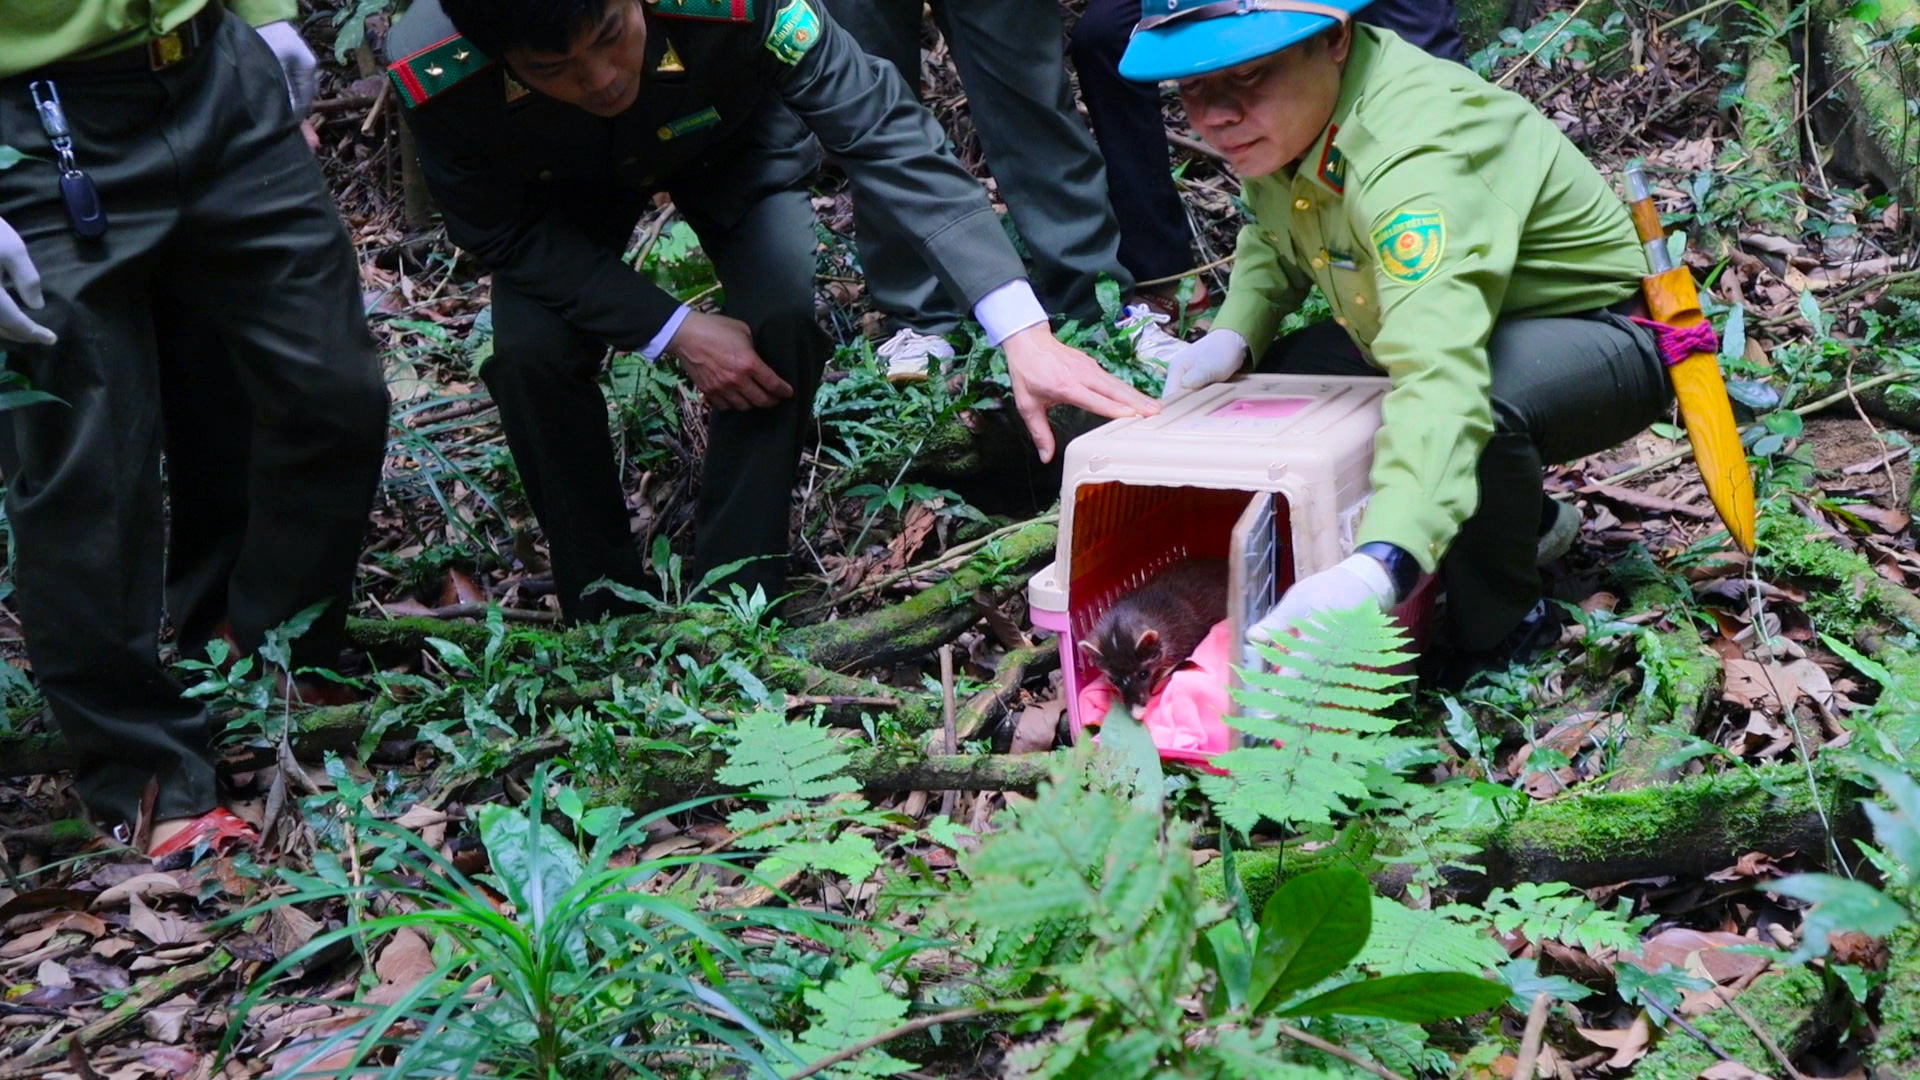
[796, 28]
[434, 70]
[734, 11]
[1410, 243]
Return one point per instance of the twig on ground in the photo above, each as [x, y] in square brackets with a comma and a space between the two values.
[953, 554]
[920, 1023]
[153, 991]
[1760, 1033]
[1195, 146]
[1184, 274]
[1535, 1033]
[1347, 1056]
[949, 797]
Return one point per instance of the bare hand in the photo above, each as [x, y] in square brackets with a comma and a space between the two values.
[717, 354]
[1047, 373]
[18, 276]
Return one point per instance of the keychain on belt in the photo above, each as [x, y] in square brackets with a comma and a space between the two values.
[82, 199]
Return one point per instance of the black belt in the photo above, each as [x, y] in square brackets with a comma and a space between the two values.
[170, 49]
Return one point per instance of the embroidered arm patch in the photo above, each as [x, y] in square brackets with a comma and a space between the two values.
[1410, 244]
[796, 28]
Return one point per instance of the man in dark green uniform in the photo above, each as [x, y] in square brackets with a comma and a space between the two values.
[543, 164]
[168, 185]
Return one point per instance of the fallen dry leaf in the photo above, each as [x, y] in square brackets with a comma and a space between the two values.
[146, 887]
[1730, 1070]
[289, 929]
[165, 1023]
[159, 927]
[1759, 686]
[1037, 726]
[402, 964]
[1629, 1044]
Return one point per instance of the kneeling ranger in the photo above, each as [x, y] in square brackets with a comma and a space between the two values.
[546, 127]
[1468, 251]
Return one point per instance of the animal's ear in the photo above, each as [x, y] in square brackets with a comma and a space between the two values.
[1091, 651]
[1149, 643]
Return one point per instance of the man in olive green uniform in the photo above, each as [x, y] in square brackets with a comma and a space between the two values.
[217, 220]
[545, 128]
[1468, 251]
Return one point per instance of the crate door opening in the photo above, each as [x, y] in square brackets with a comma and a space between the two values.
[1123, 535]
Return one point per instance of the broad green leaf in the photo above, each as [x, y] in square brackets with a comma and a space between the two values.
[1420, 998]
[1128, 747]
[534, 865]
[1810, 311]
[1896, 829]
[1665, 987]
[1524, 979]
[1733, 336]
[1225, 948]
[15, 399]
[1840, 906]
[1858, 661]
[1312, 926]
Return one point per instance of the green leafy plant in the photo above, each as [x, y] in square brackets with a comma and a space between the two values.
[788, 765]
[1559, 912]
[1106, 886]
[1842, 904]
[1320, 717]
[583, 973]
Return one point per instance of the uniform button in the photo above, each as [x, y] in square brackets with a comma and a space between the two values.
[1319, 263]
[1340, 320]
[1360, 300]
[1302, 204]
[1270, 238]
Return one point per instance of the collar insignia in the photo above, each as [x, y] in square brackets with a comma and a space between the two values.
[516, 89]
[1333, 165]
[670, 62]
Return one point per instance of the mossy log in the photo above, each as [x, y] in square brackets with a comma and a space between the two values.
[1769, 99]
[915, 627]
[661, 780]
[1865, 90]
[1686, 829]
[1896, 1043]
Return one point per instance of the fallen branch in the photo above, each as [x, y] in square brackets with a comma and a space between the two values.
[990, 705]
[153, 990]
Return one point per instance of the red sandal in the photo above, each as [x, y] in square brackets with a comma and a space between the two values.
[220, 829]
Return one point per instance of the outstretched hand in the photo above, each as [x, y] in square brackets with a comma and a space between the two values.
[1047, 373]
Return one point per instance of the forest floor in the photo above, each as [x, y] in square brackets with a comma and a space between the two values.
[1705, 724]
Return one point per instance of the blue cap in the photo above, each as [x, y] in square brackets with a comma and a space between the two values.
[1177, 39]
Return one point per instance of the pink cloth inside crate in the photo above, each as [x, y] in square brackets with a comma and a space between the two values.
[1187, 717]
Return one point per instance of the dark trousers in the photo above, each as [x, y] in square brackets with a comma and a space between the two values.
[545, 377]
[1155, 239]
[219, 219]
[1562, 388]
[1043, 158]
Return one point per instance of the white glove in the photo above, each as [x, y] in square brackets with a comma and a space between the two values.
[296, 61]
[1359, 580]
[17, 273]
[1216, 357]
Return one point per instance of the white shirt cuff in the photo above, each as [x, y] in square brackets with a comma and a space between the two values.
[1008, 310]
[652, 349]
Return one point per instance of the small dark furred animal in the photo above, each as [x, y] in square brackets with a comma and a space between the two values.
[1149, 632]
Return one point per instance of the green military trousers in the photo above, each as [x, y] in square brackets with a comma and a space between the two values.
[1561, 388]
[220, 222]
[1012, 61]
[545, 377]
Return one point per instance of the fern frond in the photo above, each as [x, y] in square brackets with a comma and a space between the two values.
[852, 1008]
[776, 758]
[1558, 911]
[1452, 937]
[1322, 707]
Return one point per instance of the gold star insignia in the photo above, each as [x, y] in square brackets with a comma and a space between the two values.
[670, 62]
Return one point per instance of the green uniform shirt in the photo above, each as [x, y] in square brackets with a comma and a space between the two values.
[1433, 205]
[35, 33]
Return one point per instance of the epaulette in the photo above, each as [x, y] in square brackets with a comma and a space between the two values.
[434, 70]
[736, 11]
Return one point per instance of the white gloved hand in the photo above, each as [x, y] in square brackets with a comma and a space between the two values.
[1359, 580]
[1216, 357]
[296, 61]
[19, 277]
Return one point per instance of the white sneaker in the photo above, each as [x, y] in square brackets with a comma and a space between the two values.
[1150, 342]
[908, 353]
[1559, 537]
